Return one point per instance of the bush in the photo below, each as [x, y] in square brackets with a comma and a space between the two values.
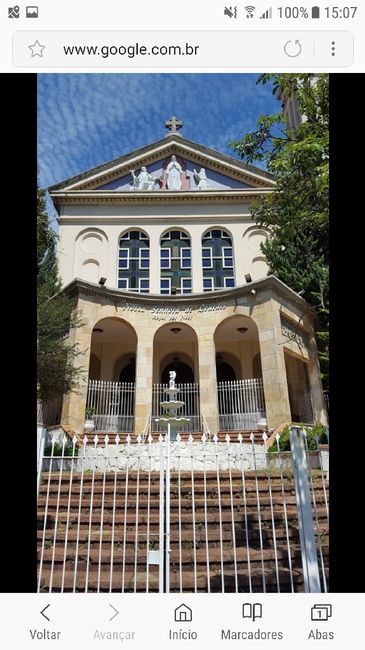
[57, 450]
[318, 430]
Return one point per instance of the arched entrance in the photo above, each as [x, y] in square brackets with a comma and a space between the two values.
[128, 373]
[299, 390]
[175, 348]
[240, 391]
[111, 394]
[225, 370]
[183, 372]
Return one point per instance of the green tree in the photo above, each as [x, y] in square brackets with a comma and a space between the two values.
[56, 314]
[297, 211]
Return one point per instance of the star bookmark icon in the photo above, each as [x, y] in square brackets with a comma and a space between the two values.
[37, 49]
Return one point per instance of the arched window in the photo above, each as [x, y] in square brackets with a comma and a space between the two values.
[217, 260]
[175, 263]
[134, 262]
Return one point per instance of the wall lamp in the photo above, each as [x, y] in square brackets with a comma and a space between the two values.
[102, 281]
[175, 330]
[248, 277]
[242, 330]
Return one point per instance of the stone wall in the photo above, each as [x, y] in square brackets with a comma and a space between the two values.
[184, 456]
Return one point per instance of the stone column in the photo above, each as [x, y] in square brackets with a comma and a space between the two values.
[196, 264]
[208, 381]
[143, 396]
[315, 383]
[267, 319]
[74, 404]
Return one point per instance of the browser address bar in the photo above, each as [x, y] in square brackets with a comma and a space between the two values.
[183, 49]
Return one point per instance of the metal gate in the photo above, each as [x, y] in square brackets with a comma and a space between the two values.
[189, 516]
[241, 404]
[112, 404]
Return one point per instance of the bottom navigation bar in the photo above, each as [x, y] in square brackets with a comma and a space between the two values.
[142, 620]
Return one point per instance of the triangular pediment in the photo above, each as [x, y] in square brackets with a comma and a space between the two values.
[222, 172]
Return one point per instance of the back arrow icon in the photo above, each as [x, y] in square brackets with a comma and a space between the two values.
[43, 614]
[290, 52]
[114, 615]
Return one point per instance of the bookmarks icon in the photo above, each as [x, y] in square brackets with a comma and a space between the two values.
[252, 610]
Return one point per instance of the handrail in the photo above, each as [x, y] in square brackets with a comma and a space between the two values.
[205, 427]
[147, 429]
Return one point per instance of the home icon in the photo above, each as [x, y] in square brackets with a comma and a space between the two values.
[183, 614]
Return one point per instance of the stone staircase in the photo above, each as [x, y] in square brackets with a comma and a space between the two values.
[224, 542]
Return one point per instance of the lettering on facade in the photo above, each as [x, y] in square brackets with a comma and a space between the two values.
[294, 333]
[131, 307]
[206, 308]
[170, 313]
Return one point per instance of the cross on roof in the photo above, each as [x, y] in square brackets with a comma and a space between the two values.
[173, 124]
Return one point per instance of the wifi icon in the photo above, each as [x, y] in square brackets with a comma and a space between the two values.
[249, 11]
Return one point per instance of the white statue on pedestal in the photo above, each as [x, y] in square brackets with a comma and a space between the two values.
[144, 181]
[174, 173]
[201, 179]
[172, 375]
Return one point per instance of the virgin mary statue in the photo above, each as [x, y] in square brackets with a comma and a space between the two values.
[174, 172]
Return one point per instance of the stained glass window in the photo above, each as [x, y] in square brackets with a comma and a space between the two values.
[217, 260]
[134, 262]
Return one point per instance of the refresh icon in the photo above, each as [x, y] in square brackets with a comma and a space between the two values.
[292, 48]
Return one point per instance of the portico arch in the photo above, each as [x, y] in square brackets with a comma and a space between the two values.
[175, 342]
[175, 347]
[182, 364]
[240, 391]
[237, 344]
[114, 342]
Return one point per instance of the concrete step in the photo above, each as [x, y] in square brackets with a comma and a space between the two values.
[137, 581]
[177, 556]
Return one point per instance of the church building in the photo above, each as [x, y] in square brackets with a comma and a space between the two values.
[161, 255]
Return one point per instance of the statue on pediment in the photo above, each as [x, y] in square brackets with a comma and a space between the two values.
[201, 179]
[174, 174]
[144, 181]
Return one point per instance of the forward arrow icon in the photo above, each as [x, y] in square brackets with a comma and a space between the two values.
[114, 615]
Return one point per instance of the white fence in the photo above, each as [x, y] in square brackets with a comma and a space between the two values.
[182, 517]
[241, 404]
[113, 402]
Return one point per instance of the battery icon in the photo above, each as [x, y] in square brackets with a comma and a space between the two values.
[315, 12]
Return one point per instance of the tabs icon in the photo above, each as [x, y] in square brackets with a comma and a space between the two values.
[321, 612]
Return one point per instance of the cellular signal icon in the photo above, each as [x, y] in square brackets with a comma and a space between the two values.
[249, 11]
[267, 13]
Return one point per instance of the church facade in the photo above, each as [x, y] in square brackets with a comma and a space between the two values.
[162, 258]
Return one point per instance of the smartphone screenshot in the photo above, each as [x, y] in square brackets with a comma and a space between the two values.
[183, 432]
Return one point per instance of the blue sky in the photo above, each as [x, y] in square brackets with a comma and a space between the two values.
[85, 120]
